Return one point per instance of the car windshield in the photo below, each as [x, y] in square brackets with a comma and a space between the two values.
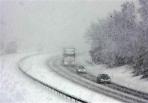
[104, 76]
[81, 67]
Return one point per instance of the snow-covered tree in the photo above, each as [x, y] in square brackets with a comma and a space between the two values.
[122, 38]
[113, 40]
[144, 22]
[141, 58]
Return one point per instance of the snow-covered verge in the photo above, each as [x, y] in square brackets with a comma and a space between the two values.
[15, 87]
[36, 66]
[121, 75]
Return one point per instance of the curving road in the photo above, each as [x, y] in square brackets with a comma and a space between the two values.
[113, 90]
[42, 82]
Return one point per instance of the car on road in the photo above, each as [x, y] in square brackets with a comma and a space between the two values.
[80, 69]
[103, 78]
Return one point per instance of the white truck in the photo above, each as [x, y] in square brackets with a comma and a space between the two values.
[69, 56]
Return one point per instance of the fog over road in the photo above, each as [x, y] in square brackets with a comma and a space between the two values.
[43, 25]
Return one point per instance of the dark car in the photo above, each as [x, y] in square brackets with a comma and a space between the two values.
[81, 69]
[103, 78]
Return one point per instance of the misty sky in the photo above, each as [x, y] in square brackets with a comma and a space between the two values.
[51, 23]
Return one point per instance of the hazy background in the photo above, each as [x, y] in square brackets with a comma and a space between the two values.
[50, 24]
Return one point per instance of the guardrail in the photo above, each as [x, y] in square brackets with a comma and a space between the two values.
[68, 96]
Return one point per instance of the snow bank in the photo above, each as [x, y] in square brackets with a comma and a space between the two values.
[15, 87]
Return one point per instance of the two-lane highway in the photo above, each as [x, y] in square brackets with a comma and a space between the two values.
[111, 84]
[113, 90]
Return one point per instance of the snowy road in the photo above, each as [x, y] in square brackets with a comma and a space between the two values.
[54, 89]
[124, 94]
[37, 67]
[112, 85]
[16, 88]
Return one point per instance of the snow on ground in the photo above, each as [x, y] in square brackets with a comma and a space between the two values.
[15, 87]
[37, 67]
[120, 75]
